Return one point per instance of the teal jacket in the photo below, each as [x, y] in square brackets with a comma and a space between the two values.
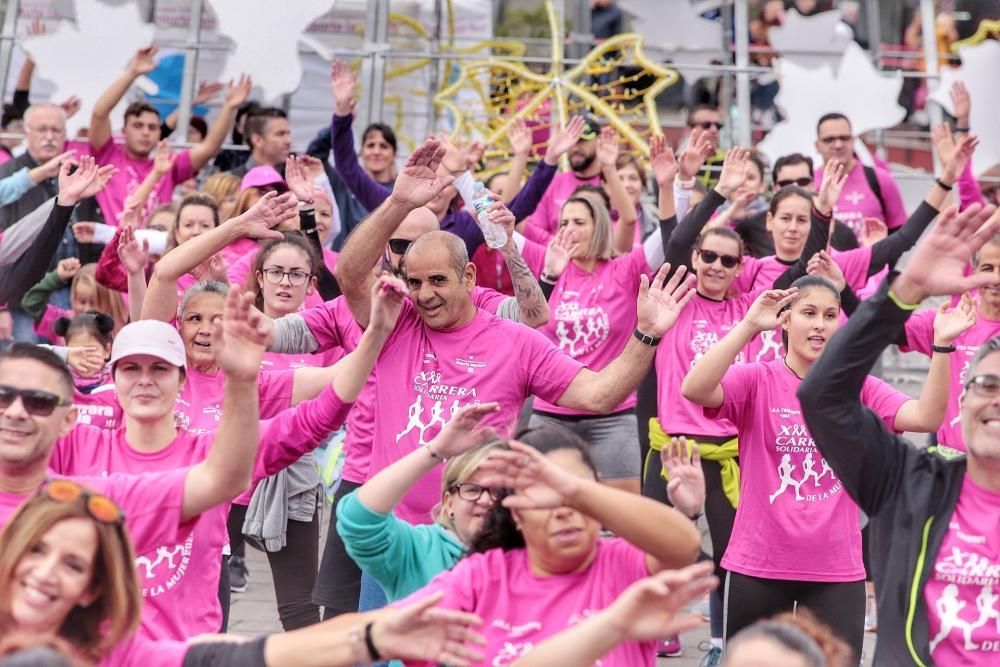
[401, 557]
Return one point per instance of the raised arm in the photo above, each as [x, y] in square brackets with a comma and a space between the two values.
[856, 443]
[143, 62]
[657, 309]
[236, 94]
[227, 470]
[416, 184]
[134, 257]
[703, 383]
[665, 167]
[668, 538]
[519, 137]
[163, 162]
[607, 157]
[532, 305]
[205, 92]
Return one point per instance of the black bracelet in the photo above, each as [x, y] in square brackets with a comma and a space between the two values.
[943, 349]
[372, 651]
[961, 129]
[941, 184]
[646, 339]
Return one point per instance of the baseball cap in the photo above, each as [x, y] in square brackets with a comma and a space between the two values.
[261, 176]
[153, 337]
[591, 128]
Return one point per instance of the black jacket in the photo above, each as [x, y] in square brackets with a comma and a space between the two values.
[908, 493]
[31, 199]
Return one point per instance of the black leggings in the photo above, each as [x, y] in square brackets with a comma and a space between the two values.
[338, 586]
[839, 605]
[293, 568]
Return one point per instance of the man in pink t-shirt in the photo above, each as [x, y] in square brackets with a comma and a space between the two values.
[141, 133]
[869, 192]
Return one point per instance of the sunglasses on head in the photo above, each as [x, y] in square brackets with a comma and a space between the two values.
[845, 138]
[99, 507]
[35, 402]
[709, 257]
[707, 124]
[803, 182]
[399, 246]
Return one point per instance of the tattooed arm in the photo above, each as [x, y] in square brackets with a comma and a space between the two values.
[532, 308]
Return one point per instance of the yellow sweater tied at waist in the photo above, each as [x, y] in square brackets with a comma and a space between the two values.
[725, 454]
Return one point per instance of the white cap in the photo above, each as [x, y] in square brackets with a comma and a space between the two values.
[153, 337]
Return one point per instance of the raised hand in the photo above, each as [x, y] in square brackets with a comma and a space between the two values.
[563, 140]
[388, 293]
[740, 201]
[132, 254]
[874, 230]
[270, 211]
[950, 323]
[734, 171]
[422, 632]
[104, 174]
[663, 161]
[71, 105]
[686, 480]
[937, 267]
[163, 161]
[559, 252]
[472, 152]
[86, 360]
[520, 138]
[240, 337]
[954, 155]
[822, 265]
[144, 60]
[50, 168]
[961, 102]
[213, 268]
[67, 268]
[699, 147]
[312, 167]
[651, 608]
[659, 305]
[343, 84]
[206, 91]
[767, 311]
[298, 182]
[538, 483]
[607, 147]
[834, 176]
[238, 91]
[462, 433]
[418, 182]
[73, 186]
[83, 232]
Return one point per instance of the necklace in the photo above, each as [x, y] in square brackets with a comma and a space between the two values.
[785, 359]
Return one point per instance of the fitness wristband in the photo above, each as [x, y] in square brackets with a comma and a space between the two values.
[900, 304]
[941, 185]
[646, 339]
[943, 349]
[549, 278]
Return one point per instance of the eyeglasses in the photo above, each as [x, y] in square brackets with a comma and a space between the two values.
[845, 138]
[709, 257]
[35, 402]
[803, 182]
[296, 278]
[399, 246]
[473, 492]
[707, 124]
[987, 386]
[59, 131]
[100, 508]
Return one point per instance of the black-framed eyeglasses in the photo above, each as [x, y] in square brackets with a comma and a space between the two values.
[473, 492]
[99, 507]
[36, 402]
[845, 138]
[803, 182]
[987, 386]
[296, 277]
[399, 246]
[708, 124]
[710, 256]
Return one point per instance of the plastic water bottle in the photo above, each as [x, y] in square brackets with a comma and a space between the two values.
[495, 235]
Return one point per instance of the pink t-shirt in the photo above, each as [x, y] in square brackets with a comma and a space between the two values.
[333, 326]
[701, 324]
[139, 651]
[593, 313]
[541, 225]
[761, 273]
[99, 408]
[131, 173]
[199, 405]
[435, 373]
[787, 489]
[44, 327]
[180, 578]
[920, 337]
[857, 201]
[963, 593]
[520, 609]
[240, 271]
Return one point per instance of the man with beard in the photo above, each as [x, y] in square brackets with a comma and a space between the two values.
[541, 225]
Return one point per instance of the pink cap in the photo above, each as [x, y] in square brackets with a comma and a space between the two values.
[260, 176]
[153, 337]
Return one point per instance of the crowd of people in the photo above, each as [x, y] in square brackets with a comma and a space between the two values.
[514, 443]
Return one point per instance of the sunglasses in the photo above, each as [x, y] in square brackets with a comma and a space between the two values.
[473, 492]
[987, 386]
[803, 182]
[399, 246]
[845, 138]
[100, 508]
[35, 402]
[709, 257]
[707, 125]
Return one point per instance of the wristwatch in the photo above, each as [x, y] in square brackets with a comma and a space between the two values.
[646, 339]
